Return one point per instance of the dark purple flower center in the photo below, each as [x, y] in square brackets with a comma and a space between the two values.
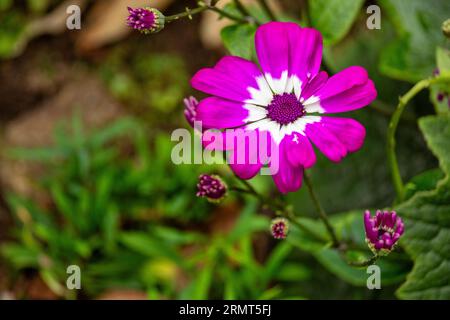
[141, 19]
[285, 108]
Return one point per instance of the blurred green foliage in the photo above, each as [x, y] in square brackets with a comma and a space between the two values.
[113, 216]
[150, 85]
[14, 19]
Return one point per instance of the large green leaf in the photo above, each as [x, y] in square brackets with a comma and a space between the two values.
[427, 218]
[333, 18]
[238, 39]
[411, 56]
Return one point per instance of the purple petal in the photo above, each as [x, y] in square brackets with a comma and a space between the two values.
[285, 47]
[371, 231]
[378, 216]
[326, 141]
[314, 85]
[348, 131]
[229, 79]
[245, 159]
[288, 178]
[246, 171]
[348, 90]
[299, 150]
[379, 244]
[395, 238]
[220, 113]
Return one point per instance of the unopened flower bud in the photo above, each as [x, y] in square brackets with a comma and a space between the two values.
[279, 228]
[211, 187]
[147, 20]
[382, 231]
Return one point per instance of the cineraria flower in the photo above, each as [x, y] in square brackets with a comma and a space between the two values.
[211, 187]
[279, 228]
[382, 231]
[284, 100]
[146, 20]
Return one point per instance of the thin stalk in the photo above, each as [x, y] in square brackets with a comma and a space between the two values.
[265, 6]
[364, 263]
[323, 216]
[188, 13]
[225, 14]
[393, 124]
[203, 7]
[243, 10]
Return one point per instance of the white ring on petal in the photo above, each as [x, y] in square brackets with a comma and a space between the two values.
[312, 104]
[262, 95]
[255, 113]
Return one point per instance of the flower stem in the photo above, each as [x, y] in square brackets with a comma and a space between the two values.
[243, 10]
[202, 7]
[320, 211]
[393, 124]
[188, 13]
[225, 14]
[265, 6]
[364, 263]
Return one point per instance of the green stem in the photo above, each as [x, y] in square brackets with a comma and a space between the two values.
[265, 201]
[225, 14]
[265, 6]
[188, 13]
[364, 263]
[321, 212]
[243, 10]
[393, 124]
[203, 7]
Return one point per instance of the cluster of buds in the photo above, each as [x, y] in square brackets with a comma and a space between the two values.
[382, 231]
[211, 187]
[147, 20]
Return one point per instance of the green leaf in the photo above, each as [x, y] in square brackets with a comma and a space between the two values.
[418, 24]
[149, 246]
[422, 182]
[239, 40]
[391, 271]
[20, 256]
[427, 223]
[333, 18]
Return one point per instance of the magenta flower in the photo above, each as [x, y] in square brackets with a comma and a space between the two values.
[284, 99]
[146, 20]
[382, 231]
[279, 228]
[211, 187]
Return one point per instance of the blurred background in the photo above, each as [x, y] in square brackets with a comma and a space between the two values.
[86, 176]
